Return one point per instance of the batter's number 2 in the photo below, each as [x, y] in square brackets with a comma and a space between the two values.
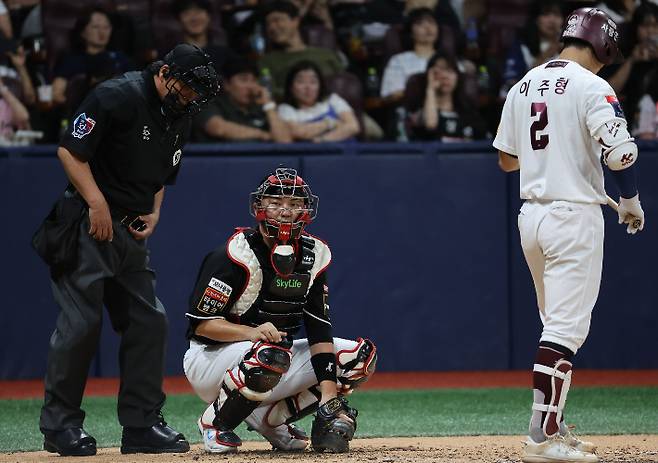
[538, 142]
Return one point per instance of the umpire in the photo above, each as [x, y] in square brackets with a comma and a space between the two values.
[123, 146]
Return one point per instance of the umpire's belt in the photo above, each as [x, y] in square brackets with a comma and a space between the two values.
[124, 217]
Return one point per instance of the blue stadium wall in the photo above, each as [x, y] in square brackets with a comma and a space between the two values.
[426, 255]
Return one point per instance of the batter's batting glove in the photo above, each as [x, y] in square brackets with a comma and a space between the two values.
[331, 432]
[630, 212]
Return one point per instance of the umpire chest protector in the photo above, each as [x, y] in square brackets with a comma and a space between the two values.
[268, 297]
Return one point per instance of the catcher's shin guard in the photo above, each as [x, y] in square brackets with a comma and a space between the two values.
[249, 383]
[356, 365]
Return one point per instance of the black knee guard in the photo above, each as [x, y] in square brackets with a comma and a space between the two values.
[249, 383]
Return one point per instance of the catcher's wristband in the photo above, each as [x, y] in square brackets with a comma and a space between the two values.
[324, 366]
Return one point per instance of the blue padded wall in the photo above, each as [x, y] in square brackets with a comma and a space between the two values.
[426, 255]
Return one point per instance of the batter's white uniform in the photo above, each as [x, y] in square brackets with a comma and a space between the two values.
[549, 121]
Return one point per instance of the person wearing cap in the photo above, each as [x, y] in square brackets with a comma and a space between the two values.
[244, 112]
[561, 123]
[123, 145]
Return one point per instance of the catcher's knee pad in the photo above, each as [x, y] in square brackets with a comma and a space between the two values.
[356, 365]
[330, 432]
[560, 377]
[259, 371]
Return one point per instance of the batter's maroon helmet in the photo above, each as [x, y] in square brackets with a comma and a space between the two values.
[595, 27]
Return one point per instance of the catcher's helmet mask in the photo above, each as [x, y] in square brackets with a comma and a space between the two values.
[283, 183]
[598, 30]
[190, 67]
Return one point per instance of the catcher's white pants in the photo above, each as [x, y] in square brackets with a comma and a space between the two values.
[205, 367]
[563, 246]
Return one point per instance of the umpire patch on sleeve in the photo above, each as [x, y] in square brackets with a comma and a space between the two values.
[614, 102]
[82, 126]
[215, 296]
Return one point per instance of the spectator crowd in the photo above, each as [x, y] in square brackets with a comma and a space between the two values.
[312, 70]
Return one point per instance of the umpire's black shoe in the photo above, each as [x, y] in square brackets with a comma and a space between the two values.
[159, 438]
[72, 442]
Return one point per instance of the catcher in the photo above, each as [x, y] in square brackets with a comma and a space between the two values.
[250, 298]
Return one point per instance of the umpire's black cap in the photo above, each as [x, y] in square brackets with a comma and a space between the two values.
[190, 65]
[186, 57]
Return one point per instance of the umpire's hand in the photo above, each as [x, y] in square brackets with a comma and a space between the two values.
[151, 221]
[100, 221]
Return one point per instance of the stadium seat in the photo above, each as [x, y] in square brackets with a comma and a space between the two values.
[348, 86]
[414, 92]
[317, 35]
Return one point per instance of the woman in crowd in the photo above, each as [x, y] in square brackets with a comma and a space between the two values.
[646, 113]
[540, 41]
[631, 78]
[13, 115]
[422, 31]
[445, 115]
[310, 112]
[90, 38]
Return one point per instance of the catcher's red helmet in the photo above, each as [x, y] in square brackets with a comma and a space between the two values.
[284, 182]
[595, 27]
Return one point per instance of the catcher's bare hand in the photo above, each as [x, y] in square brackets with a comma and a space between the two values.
[267, 332]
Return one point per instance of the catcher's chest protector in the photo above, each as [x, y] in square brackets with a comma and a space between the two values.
[276, 299]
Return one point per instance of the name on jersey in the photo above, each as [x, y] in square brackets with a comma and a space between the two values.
[559, 86]
[215, 297]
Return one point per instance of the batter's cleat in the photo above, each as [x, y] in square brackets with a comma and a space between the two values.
[286, 437]
[576, 442]
[72, 442]
[216, 441]
[554, 450]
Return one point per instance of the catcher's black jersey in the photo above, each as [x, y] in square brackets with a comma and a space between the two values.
[237, 282]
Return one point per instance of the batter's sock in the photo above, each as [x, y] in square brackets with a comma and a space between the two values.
[548, 354]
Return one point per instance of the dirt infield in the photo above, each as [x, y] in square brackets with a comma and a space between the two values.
[481, 449]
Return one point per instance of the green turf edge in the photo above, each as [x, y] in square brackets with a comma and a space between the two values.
[390, 413]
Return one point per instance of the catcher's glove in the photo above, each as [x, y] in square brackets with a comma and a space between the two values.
[330, 432]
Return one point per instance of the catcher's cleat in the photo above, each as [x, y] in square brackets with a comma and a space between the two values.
[216, 441]
[554, 450]
[576, 442]
[286, 437]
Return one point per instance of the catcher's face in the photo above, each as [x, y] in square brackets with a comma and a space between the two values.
[283, 209]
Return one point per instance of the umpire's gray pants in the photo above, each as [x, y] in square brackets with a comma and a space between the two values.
[115, 274]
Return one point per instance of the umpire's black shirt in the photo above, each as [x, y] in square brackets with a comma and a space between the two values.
[131, 148]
